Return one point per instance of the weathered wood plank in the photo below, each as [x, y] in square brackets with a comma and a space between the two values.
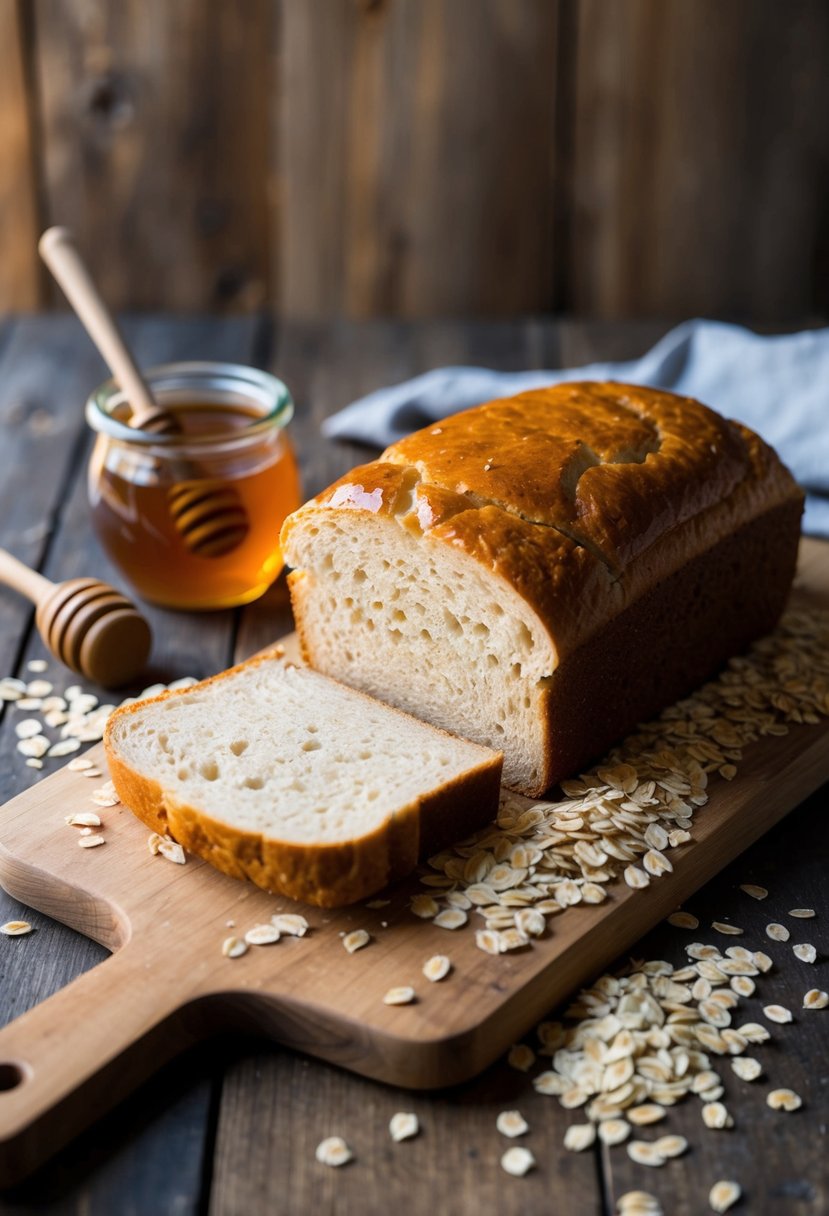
[46, 371]
[157, 1161]
[697, 180]
[406, 189]
[155, 146]
[20, 276]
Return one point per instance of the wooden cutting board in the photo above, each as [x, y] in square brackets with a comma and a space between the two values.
[167, 984]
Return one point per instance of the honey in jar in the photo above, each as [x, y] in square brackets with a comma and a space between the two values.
[193, 519]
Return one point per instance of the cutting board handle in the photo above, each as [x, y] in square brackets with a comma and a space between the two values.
[66, 1062]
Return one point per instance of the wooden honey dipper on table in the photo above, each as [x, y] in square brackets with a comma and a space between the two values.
[207, 512]
[86, 624]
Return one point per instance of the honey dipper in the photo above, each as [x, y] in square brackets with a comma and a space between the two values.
[207, 512]
[86, 624]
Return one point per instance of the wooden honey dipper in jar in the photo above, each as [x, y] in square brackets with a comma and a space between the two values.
[86, 624]
[207, 512]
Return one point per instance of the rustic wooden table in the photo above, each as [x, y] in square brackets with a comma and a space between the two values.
[231, 1130]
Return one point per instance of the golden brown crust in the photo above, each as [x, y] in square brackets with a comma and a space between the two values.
[581, 497]
[328, 875]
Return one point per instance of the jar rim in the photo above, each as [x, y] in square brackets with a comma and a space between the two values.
[184, 377]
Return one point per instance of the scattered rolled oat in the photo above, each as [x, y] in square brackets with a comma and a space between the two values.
[747, 1068]
[37, 665]
[815, 998]
[671, 1146]
[805, 952]
[723, 1195]
[644, 1153]
[754, 891]
[91, 842]
[399, 996]
[27, 728]
[521, 1057]
[777, 933]
[105, 795]
[333, 1151]
[83, 819]
[79, 765]
[579, 1136]
[488, 941]
[753, 1032]
[512, 1123]
[437, 967]
[784, 1099]
[550, 1083]
[153, 842]
[777, 1013]
[530, 922]
[425, 906]
[716, 1116]
[683, 920]
[613, 1131]
[762, 961]
[290, 924]
[63, 748]
[720, 927]
[403, 1126]
[262, 935]
[517, 1161]
[356, 940]
[451, 918]
[172, 850]
[648, 1112]
[16, 928]
[638, 1203]
[234, 947]
[35, 747]
[634, 877]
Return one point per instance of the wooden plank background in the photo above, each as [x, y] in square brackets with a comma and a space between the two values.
[231, 1130]
[412, 158]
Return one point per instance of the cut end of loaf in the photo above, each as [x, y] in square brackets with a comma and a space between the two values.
[374, 603]
[280, 775]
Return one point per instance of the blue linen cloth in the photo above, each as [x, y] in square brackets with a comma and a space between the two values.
[778, 386]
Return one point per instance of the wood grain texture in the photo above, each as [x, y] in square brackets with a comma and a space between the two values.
[20, 277]
[422, 157]
[148, 1001]
[404, 129]
[155, 146]
[698, 184]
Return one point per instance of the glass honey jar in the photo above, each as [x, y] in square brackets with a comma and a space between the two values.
[192, 518]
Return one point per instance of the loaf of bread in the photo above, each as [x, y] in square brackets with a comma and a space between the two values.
[540, 573]
[278, 774]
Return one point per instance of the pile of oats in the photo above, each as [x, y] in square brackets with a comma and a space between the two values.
[639, 1042]
[76, 716]
[622, 819]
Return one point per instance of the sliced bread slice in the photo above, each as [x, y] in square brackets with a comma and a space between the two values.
[279, 774]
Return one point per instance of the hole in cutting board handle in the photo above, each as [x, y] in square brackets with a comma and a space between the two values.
[11, 1075]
